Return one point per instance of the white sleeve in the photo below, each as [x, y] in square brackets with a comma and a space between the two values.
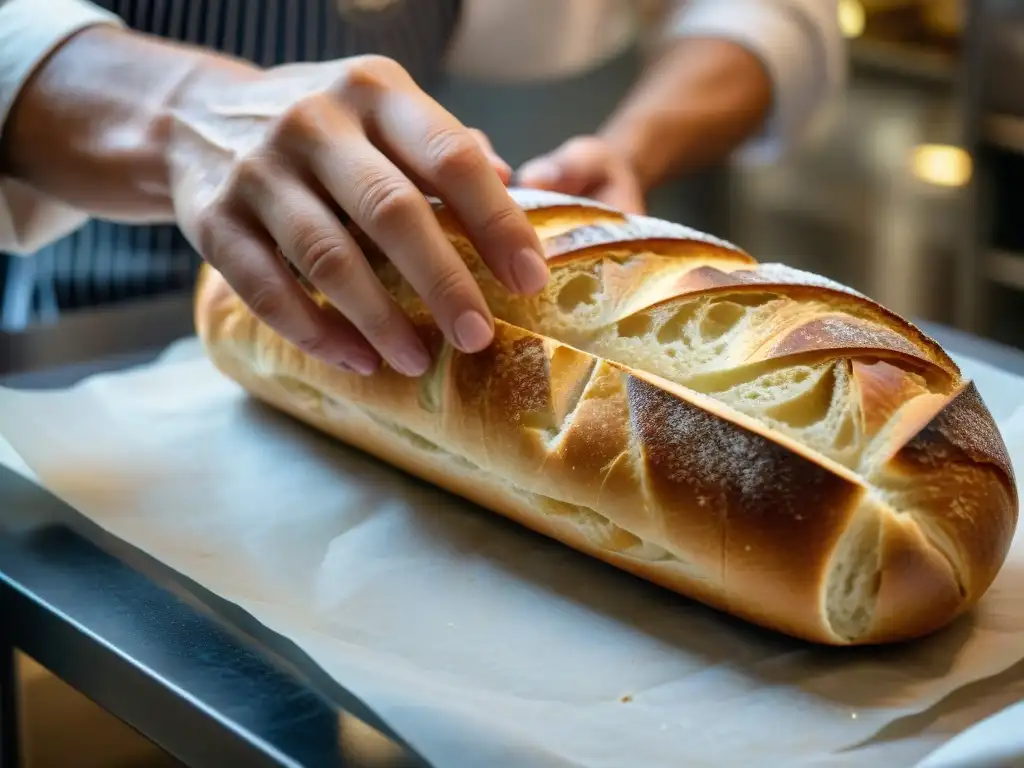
[29, 31]
[801, 46]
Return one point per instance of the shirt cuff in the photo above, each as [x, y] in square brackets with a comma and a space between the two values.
[801, 49]
[30, 220]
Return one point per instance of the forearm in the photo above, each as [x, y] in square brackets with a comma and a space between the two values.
[696, 103]
[91, 126]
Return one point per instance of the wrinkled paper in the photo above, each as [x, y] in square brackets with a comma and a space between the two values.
[480, 642]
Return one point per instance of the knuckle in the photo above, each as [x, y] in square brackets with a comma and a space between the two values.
[503, 222]
[298, 123]
[271, 305]
[323, 256]
[205, 220]
[268, 303]
[378, 323]
[252, 174]
[446, 286]
[210, 227]
[383, 67]
[455, 154]
[387, 202]
[371, 72]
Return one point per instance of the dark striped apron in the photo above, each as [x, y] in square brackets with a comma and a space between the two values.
[103, 262]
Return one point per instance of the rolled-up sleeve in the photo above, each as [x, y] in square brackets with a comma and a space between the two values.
[801, 46]
[29, 31]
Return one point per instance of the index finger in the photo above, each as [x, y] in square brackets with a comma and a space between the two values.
[420, 135]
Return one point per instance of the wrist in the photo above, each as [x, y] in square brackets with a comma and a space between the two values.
[195, 112]
[697, 103]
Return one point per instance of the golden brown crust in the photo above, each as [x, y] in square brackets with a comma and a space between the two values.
[731, 507]
[597, 240]
[952, 472]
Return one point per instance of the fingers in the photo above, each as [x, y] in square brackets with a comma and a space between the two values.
[575, 168]
[313, 239]
[545, 173]
[248, 262]
[588, 167]
[396, 216]
[435, 147]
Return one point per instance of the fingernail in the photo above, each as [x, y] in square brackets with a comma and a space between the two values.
[412, 362]
[530, 271]
[472, 332]
[364, 366]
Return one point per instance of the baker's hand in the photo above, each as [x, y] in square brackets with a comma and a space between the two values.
[589, 167]
[263, 164]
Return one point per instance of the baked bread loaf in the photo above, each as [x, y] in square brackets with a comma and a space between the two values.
[755, 437]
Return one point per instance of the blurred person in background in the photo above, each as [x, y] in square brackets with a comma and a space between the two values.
[638, 103]
[219, 140]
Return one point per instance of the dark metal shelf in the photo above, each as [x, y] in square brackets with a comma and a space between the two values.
[1004, 131]
[1006, 268]
[99, 333]
[906, 60]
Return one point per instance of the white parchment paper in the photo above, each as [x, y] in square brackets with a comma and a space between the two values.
[481, 643]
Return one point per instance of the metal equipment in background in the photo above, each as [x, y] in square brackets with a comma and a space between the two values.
[66, 278]
[990, 295]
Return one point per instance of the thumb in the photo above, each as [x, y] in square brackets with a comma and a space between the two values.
[544, 173]
[578, 166]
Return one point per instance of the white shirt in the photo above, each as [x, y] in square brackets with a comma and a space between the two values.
[798, 41]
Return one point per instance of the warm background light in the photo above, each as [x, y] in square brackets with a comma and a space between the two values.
[851, 18]
[942, 165]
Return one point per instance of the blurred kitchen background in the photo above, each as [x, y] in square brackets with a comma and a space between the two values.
[910, 197]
